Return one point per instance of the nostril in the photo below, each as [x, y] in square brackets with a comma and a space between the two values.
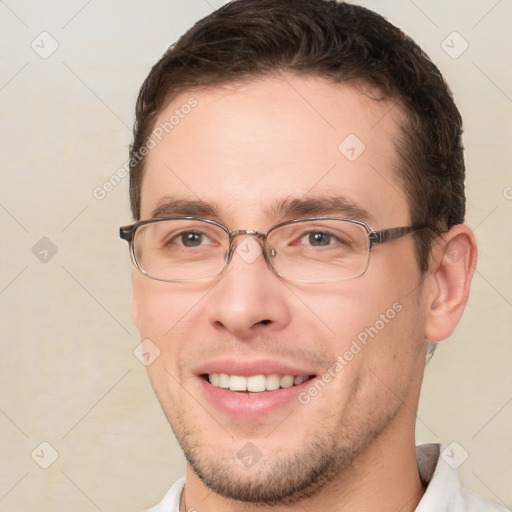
[265, 322]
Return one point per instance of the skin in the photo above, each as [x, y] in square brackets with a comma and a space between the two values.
[243, 148]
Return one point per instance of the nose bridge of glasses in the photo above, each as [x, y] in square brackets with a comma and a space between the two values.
[261, 237]
[252, 232]
[247, 232]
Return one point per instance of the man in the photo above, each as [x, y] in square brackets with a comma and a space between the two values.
[297, 181]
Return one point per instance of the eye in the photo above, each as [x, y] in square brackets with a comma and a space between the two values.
[190, 238]
[321, 239]
[318, 238]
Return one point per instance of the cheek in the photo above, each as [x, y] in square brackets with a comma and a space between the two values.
[377, 359]
[146, 306]
[371, 324]
[162, 313]
[348, 309]
[170, 315]
[157, 306]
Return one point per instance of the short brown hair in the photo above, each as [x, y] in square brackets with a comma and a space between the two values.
[342, 42]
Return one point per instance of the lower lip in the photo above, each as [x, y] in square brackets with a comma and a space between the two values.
[251, 405]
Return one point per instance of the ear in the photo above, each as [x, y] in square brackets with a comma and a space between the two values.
[453, 262]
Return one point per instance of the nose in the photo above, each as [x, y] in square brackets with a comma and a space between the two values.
[249, 299]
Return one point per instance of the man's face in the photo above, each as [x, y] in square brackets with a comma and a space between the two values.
[244, 150]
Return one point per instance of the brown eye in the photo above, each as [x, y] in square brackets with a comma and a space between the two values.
[191, 238]
[319, 239]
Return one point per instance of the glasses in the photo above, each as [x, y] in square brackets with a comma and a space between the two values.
[313, 250]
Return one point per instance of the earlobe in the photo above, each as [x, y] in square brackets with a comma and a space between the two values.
[455, 259]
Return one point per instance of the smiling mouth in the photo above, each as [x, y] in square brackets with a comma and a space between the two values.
[255, 383]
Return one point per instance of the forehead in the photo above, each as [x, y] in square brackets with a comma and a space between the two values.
[245, 148]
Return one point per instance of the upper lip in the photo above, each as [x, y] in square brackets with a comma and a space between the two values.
[248, 367]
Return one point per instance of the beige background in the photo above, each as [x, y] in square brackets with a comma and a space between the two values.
[68, 374]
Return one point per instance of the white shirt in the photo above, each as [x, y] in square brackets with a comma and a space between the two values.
[444, 492]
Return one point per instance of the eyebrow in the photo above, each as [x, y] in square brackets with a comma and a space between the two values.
[171, 207]
[289, 208]
[321, 206]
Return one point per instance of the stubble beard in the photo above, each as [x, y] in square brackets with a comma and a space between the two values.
[315, 461]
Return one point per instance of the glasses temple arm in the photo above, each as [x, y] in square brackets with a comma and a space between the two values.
[126, 233]
[386, 235]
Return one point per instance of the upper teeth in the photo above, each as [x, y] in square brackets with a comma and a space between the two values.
[254, 383]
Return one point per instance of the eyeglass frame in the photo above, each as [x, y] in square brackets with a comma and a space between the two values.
[127, 233]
